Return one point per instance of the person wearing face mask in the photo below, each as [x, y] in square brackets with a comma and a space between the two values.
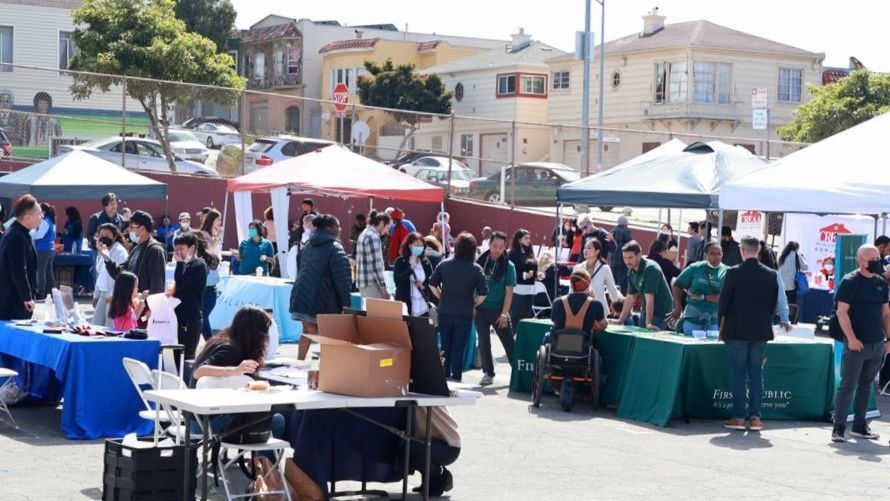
[702, 282]
[185, 225]
[147, 259]
[18, 261]
[255, 251]
[190, 278]
[864, 317]
[411, 273]
[109, 236]
[500, 278]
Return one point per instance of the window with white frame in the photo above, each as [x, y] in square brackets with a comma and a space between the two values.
[533, 84]
[561, 80]
[711, 82]
[506, 84]
[466, 145]
[67, 49]
[660, 82]
[678, 83]
[278, 62]
[790, 85]
[259, 65]
[348, 76]
[293, 61]
[6, 42]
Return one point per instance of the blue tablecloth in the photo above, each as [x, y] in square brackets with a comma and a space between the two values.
[236, 291]
[81, 263]
[814, 304]
[99, 399]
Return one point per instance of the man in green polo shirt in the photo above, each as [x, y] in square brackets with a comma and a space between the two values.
[644, 277]
[500, 277]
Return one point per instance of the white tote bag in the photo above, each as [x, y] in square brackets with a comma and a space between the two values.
[162, 324]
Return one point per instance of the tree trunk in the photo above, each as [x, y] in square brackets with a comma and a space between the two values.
[405, 140]
[165, 137]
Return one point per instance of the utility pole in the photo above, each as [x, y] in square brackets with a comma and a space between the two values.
[585, 104]
[602, 56]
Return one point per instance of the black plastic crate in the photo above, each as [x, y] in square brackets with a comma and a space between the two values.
[132, 473]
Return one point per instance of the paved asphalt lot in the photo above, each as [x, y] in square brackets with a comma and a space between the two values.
[511, 451]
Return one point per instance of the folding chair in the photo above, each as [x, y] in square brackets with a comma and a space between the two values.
[275, 446]
[168, 362]
[141, 376]
[9, 374]
[537, 309]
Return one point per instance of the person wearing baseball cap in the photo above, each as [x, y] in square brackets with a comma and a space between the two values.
[147, 258]
[577, 309]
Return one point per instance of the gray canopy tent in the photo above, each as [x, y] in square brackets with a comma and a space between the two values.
[79, 176]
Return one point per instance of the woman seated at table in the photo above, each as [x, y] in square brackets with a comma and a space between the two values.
[702, 282]
[577, 300]
[255, 251]
[236, 351]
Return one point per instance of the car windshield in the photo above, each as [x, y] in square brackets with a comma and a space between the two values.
[181, 137]
[460, 174]
[261, 146]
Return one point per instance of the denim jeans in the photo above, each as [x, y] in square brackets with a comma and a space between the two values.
[454, 330]
[858, 371]
[485, 320]
[746, 369]
[208, 303]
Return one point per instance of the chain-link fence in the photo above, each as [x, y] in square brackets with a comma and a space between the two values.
[220, 131]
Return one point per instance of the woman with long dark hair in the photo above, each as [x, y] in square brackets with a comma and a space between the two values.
[72, 233]
[109, 235]
[790, 262]
[45, 243]
[460, 286]
[236, 350]
[212, 229]
[523, 258]
[190, 278]
[208, 300]
[411, 273]
[500, 278]
[601, 278]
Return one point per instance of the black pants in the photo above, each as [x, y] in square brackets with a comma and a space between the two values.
[441, 454]
[521, 307]
[486, 318]
[189, 333]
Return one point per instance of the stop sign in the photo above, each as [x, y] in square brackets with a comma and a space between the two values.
[341, 96]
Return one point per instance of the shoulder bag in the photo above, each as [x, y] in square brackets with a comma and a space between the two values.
[800, 278]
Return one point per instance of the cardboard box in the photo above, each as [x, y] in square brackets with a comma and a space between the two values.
[365, 356]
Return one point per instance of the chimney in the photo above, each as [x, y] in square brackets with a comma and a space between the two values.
[520, 38]
[652, 23]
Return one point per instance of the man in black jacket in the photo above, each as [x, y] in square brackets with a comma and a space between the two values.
[747, 303]
[147, 259]
[18, 261]
[731, 254]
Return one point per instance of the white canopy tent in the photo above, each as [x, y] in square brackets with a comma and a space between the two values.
[843, 174]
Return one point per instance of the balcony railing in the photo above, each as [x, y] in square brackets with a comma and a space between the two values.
[650, 110]
[274, 82]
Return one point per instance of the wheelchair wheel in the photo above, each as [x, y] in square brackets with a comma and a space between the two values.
[538, 388]
[596, 385]
[567, 395]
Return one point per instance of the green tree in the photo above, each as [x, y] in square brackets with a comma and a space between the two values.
[144, 39]
[214, 19]
[400, 88]
[839, 106]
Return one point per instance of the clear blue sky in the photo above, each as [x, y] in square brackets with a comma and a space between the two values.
[839, 29]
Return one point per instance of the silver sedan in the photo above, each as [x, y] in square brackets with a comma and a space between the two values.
[140, 154]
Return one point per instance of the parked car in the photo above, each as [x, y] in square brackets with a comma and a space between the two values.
[536, 183]
[186, 145]
[268, 150]
[408, 157]
[460, 178]
[431, 161]
[214, 135]
[191, 123]
[5, 145]
[141, 154]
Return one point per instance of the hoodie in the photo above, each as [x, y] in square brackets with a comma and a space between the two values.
[325, 280]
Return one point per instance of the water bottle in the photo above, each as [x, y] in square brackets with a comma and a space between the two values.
[225, 269]
[259, 271]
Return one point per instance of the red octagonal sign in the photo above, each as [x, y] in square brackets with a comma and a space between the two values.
[341, 96]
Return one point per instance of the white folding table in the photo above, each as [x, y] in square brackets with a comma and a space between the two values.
[203, 403]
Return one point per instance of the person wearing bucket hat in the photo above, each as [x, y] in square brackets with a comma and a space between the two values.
[576, 300]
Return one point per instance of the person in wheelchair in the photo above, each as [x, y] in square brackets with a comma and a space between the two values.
[578, 309]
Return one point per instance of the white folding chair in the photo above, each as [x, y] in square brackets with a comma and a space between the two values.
[167, 360]
[141, 376]
[275, 446]
[540, 288]
[9, 374]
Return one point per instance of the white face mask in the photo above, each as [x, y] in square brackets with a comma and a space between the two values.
[712, 266]
[134, 238]
[829, 267]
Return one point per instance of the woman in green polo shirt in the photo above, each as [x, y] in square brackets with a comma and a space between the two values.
[500, 277]
[702, 282]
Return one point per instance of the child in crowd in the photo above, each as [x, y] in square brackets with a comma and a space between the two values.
[127, 303]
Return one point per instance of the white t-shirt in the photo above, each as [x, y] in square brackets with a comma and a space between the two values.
[419, 305]
[601, 281]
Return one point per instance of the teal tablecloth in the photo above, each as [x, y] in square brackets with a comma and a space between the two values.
[236, 291]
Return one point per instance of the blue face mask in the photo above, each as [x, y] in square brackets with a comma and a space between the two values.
[416, 251]
[253, 233]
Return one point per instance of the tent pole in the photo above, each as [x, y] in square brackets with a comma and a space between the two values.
[556, 255]
[371, 207]
[225, 211]
[720, 224]
[884, 217]
[876, 228]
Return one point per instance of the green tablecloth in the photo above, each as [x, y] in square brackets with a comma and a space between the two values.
[655, 377]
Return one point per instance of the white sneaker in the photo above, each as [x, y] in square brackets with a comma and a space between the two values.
[486, 380]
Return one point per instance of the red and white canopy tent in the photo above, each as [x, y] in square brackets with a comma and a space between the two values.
[330, 171]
